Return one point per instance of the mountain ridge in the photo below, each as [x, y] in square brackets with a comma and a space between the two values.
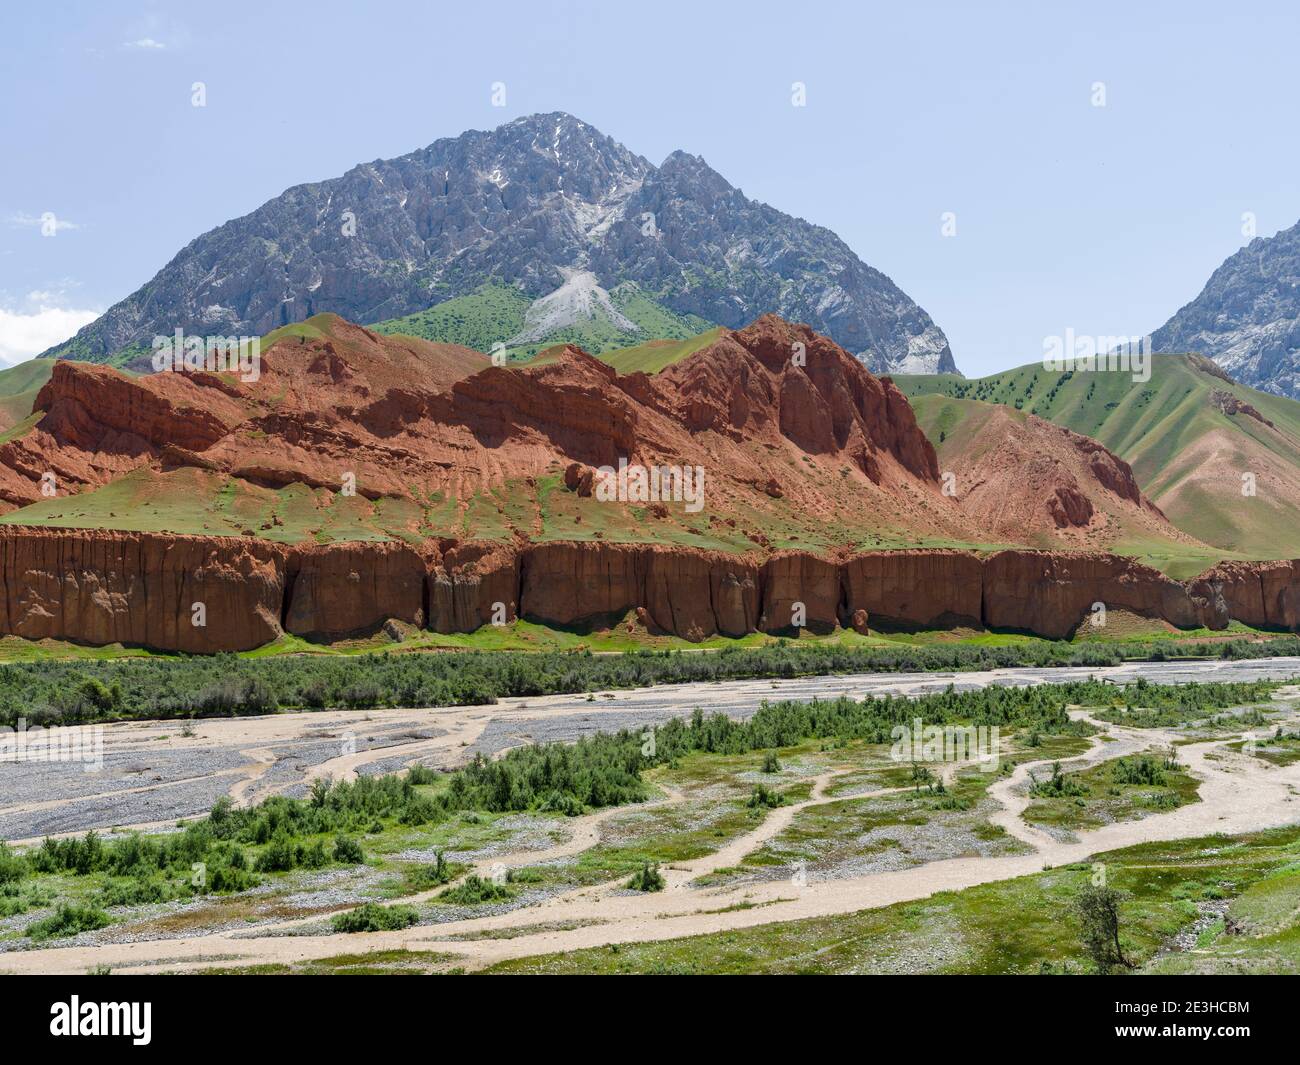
[1197, 441]
[1247, 317]
[519, 205]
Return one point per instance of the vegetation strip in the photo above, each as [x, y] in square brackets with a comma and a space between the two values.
[83, 691]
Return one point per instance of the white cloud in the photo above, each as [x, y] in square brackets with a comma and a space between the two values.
[49, 218]
[145, 43]
[27, 333]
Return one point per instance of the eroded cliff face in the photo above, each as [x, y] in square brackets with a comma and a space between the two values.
[333, 590]
[1263, 594]
[140, 589]
[227, 594]
[1048, 593]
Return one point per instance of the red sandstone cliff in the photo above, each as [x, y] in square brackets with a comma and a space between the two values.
[114, 587]
[141, 589]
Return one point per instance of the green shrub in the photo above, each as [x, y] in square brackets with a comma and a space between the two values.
[647, 878]
[278, 856]
[764, 796]
[422, 774]
[475, 891]
[1141, 769]
[133, 893]
[423, 877]
[374, 918]
[227, 880]
[347, 851]
[312, 855]
[1058, 785]
[12, 866]
[67, 920]
[524, 876]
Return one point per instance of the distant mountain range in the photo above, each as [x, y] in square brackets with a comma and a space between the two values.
[1247, 318]
[544, 230]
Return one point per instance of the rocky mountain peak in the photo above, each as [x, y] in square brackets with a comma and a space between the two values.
[1247, 318]
[530, 204]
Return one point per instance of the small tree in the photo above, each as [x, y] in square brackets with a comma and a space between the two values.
[647, 879]
[1098, 911]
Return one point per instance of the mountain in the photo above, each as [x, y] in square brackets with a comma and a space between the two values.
[366, 482]
[1191, 435]
[1247, 318]
[527, 207]
[1027, 480]
[440, 443]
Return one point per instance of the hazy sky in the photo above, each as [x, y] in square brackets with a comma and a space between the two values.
[1068, 215]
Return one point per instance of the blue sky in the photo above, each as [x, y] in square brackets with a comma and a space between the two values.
[1100, 219]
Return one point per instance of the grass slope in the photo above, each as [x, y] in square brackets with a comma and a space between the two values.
[493, 313]
[18, 388]
[1186, 452]
[656, 355]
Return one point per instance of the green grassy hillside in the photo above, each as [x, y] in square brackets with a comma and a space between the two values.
[489, 315]
[18, 388]
[655, 355]
[492, 314]
[1189, 450]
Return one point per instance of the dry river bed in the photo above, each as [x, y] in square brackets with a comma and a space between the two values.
[155, 772]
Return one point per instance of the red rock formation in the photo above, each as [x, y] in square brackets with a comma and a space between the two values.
[1069, 507]
[1027, 481]
[466, 582]
[141, 589]
[797, 585]
[1265, 595]
[352, 588]
[1052, 594]
[1230, 404]
[409, 419]
[916, 589]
